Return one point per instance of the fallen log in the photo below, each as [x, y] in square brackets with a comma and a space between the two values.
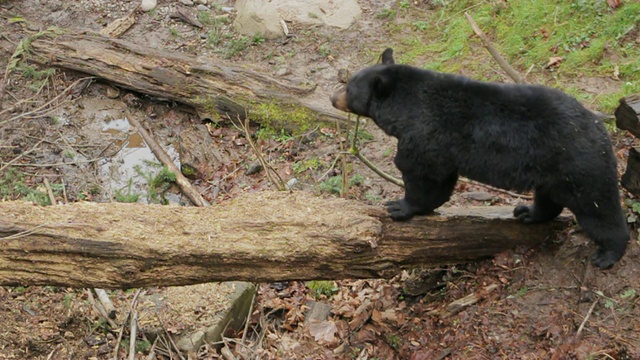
[264, 236]
[631, 178]
[628, 114]
[213, 88]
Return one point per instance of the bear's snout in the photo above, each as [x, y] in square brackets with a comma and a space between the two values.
[339, 100]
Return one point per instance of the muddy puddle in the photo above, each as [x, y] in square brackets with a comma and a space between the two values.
[129, 170]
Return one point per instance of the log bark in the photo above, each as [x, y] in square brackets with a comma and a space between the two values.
[266, 236]
[213, 88]
[628, 114]
[631, 178]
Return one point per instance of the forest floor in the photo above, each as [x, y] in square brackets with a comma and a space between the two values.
[541, 303]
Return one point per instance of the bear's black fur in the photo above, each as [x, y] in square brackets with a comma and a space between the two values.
[513, 136]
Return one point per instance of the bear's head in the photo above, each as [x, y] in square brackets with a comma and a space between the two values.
[368, 86]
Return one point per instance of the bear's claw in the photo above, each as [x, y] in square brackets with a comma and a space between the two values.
[523, 213]
[399, 210]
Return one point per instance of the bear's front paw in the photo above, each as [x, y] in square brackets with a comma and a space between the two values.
[605, 259]
[523, 213]
[399, 210]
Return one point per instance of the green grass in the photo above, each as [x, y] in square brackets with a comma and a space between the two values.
[322, 287]
[333, 185]
[14, 187]
[126, 194]
[593, 40]
[235, 46]
[159, 182]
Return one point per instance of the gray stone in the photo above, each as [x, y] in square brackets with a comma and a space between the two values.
[317, 311]
[187, 2]
[202, 8]
[478, 195]
[265, 17]
[292, 183]
[282, 71]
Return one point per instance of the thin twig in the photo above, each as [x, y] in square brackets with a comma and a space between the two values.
[226, 353]
[64, 92]
[173, 344]
[279, 183]
[333, 164]
[52, 199]
[375, 169]
[458, 13]
[133, 334]
[492, 50]
[24, 233]
[100, 309]
[345, 183]
[493, 188]
[64, 191]
[248, 321]
[586, 317]
[356, 152]
[152, 350]
[133, 305]
[21, 155]
[182, 182]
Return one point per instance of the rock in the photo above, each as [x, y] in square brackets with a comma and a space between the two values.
[282, 71]
[478, 195]
[255, 168]
[292, 183]
[187, 2]
[202, 8]
[147, 5]
[265, 17]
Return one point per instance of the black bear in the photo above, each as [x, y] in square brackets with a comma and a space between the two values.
[512, 136]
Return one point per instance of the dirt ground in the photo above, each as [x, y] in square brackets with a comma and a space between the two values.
[542, 303]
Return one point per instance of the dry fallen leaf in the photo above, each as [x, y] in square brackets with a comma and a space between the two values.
[324, 331]
[614, 3]
[553, 61]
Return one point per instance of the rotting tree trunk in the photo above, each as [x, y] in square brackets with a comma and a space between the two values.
[628, 118]
[628, 114]
[212, 88]
[631, 178]
[266, 236]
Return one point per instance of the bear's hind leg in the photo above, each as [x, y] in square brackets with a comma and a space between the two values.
[544, 209]
[608, 229]
[421, 196]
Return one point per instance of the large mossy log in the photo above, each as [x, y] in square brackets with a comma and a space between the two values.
[213, 88]
[265, 236]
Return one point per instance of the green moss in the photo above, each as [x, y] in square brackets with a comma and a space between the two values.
[188, 171]
[293, 119]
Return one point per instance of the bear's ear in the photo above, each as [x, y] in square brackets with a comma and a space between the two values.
[381, 86]
[387, 56]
